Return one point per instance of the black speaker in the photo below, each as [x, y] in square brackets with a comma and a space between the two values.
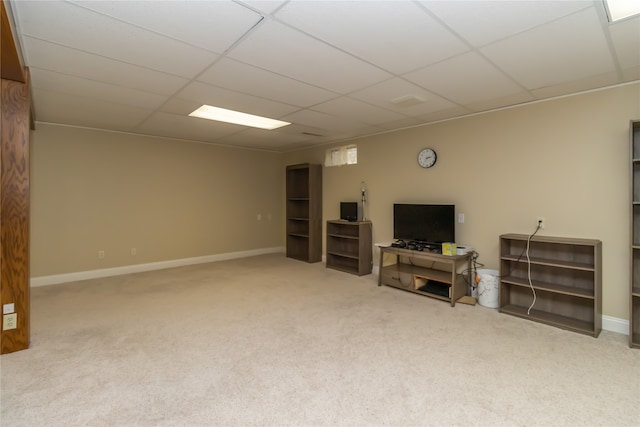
[349, 211]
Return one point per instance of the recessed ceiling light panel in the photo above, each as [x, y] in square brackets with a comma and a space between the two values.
[236, 117]
[621, 9]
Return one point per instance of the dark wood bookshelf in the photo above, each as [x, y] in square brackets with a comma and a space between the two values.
[304, 212]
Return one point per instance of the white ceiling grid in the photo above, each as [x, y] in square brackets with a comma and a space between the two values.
[332, 68]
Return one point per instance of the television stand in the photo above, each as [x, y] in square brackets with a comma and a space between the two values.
[425, 273]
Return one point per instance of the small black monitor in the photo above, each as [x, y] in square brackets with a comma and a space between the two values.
[349, 211]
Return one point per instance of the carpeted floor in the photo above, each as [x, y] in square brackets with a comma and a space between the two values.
[270, 341]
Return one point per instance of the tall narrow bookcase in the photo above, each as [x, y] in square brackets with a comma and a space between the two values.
[304, 212]
[566, 274]
[634, 309]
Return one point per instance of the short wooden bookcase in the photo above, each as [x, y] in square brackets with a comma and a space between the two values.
[349, 246]
[566, 275]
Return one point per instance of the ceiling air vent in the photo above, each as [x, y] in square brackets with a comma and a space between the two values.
[407, 101]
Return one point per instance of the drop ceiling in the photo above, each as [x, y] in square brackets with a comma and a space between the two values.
[336, 70]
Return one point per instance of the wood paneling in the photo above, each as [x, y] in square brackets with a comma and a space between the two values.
[14, 211]
[10, 65]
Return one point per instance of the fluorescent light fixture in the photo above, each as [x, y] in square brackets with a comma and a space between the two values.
[620, 9]
[229, 116]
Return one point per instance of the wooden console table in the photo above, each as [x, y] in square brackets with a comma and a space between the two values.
[425, 273]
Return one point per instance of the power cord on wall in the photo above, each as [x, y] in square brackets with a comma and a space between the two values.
[471, 276]
[529, 266]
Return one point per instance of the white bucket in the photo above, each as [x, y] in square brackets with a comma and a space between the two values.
[488, 288]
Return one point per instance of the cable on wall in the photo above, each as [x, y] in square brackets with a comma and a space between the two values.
[529, 268]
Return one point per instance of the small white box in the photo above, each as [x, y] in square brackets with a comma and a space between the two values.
[463, 250]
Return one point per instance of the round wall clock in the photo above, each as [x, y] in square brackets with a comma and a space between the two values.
[427, 157]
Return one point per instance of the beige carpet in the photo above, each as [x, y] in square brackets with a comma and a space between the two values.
[271, 341]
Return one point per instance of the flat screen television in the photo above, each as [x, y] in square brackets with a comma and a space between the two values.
[424, 223]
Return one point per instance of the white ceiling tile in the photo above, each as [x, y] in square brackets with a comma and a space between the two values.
[445, 114]
[395, 35]
[325, 122]
[465, 79]
[333, 76]
[280, 49]
[180, 106]
[455, 111]
[501, 101]
[56, 82]
[564, 50]
[625, 36]
[353, 109]
[56, 107]
[185, 127]
[261, 83]
[266, 6]
[297, 129]
[352, 134]
[402, 123]
[45, 55]
[383, 93]
[305, 133]
[631, 73]
[257, 138]
[483, 22]
[578, 85]
[224, 98]
[211, 25]
[73, 26]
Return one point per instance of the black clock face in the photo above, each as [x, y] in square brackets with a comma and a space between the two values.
[427, 158]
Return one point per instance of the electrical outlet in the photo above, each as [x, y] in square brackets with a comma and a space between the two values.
[134, 251]
[101, 254]
[540, 222]
[9, 321]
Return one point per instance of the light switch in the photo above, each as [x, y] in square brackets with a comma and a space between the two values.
[8, 308]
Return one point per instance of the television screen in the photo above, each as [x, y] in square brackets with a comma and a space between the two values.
[424, 223]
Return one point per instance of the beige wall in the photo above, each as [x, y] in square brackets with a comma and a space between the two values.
[565, 159]
[169, 199]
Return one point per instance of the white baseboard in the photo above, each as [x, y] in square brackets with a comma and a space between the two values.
[139, 268]
[614, 324]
